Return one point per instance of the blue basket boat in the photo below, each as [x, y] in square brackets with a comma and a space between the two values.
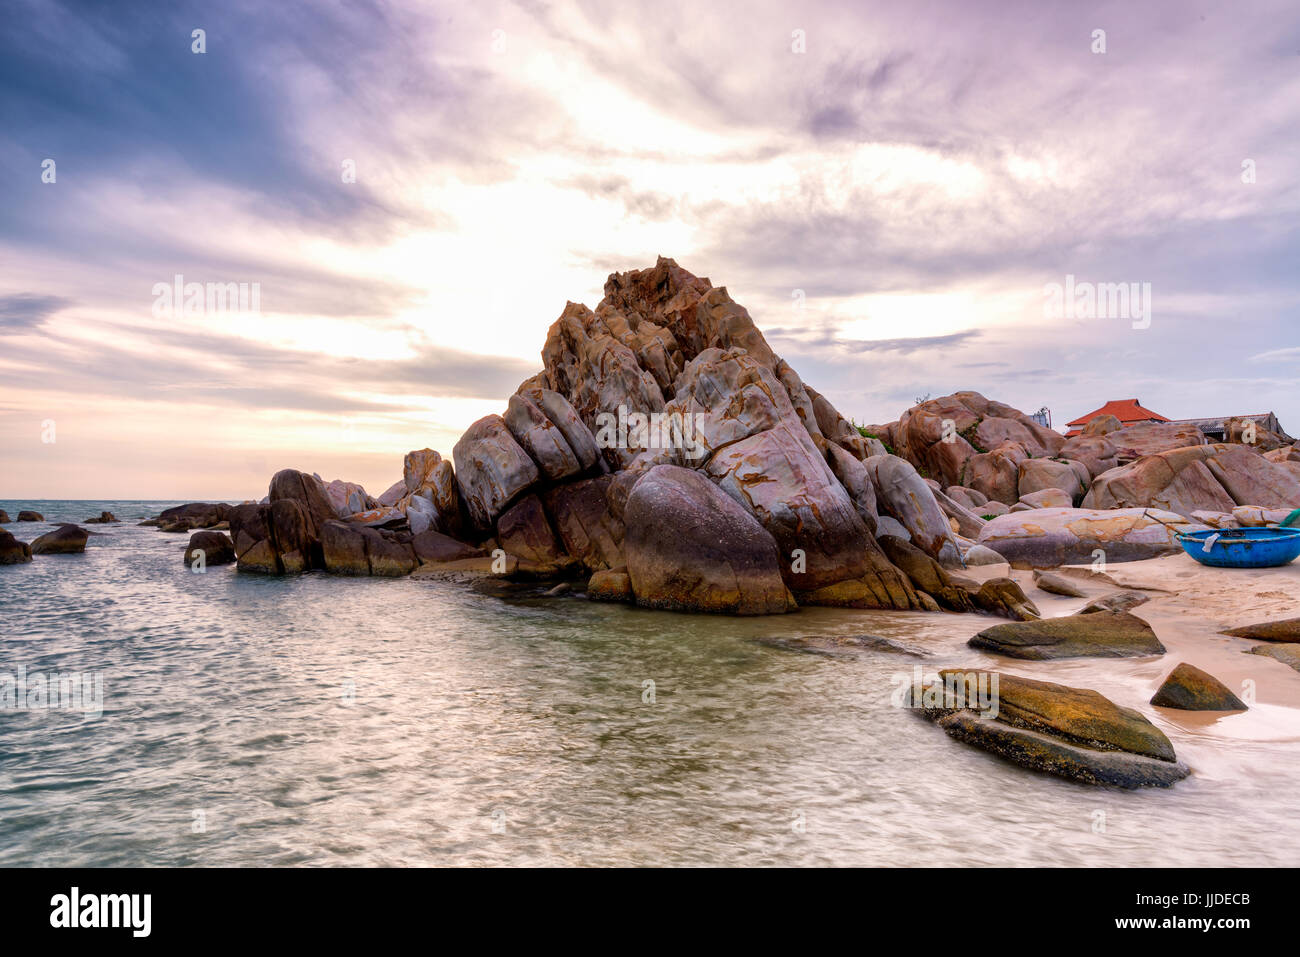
[1242, 547]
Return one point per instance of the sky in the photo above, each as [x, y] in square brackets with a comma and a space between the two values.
[414, 190]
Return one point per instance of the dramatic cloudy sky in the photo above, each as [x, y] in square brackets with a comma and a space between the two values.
[921, 172]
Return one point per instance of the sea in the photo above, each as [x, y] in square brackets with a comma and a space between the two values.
[318, 720]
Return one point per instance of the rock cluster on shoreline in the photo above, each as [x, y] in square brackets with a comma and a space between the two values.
[703, 407]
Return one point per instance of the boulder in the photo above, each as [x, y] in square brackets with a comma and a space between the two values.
[1252, 516]
[902, 493]
[926, 574]
[1188, 688]
[433, 546]
[991, 510]
[29, 516]
[565, 418]
[394, 494]
[1094, 451]
[1045, 498]
[852, 474]
[491, 470]
[610, 584]
[12, 551]
[1119, 601]
[1148, 438]
[967, 497]
[350, 549]
[347, 498]
[105, 518]
[980, 555]
[309, 494]
[1102, 425]
[1073, 733]
[217, 548]
[1289, 655]
[1285, 630]
[63, 540]
[1102, 634]
[1047, 537]
[182, 518]
[525, 532]
[779, 477]
[1003, 596]
[4, 517]
[1037, 475]
[541, 438]
[1056, 585]
[690, 547]
[586, 522]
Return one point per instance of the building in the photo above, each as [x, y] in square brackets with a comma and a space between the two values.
[1128, 411]
[1131, 412]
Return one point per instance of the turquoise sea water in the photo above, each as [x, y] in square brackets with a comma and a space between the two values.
[323, 721]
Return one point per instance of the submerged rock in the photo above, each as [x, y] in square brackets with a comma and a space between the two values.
[1073, 733]
[64, 540]
[1188, 688]
[105, 518]
[1102, 634]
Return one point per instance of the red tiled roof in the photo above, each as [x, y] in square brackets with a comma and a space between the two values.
[1126, 410]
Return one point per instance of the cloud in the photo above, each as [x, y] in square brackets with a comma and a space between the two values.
[24, 311]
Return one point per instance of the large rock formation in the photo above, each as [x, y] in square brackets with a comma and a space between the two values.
[965, 439]
[1210, 478]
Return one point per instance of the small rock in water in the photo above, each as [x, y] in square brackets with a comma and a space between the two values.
[64, 540]
[27, 516]
[12, 551]
[1188, 688]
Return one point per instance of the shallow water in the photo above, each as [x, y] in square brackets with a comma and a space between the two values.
[487, 732]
